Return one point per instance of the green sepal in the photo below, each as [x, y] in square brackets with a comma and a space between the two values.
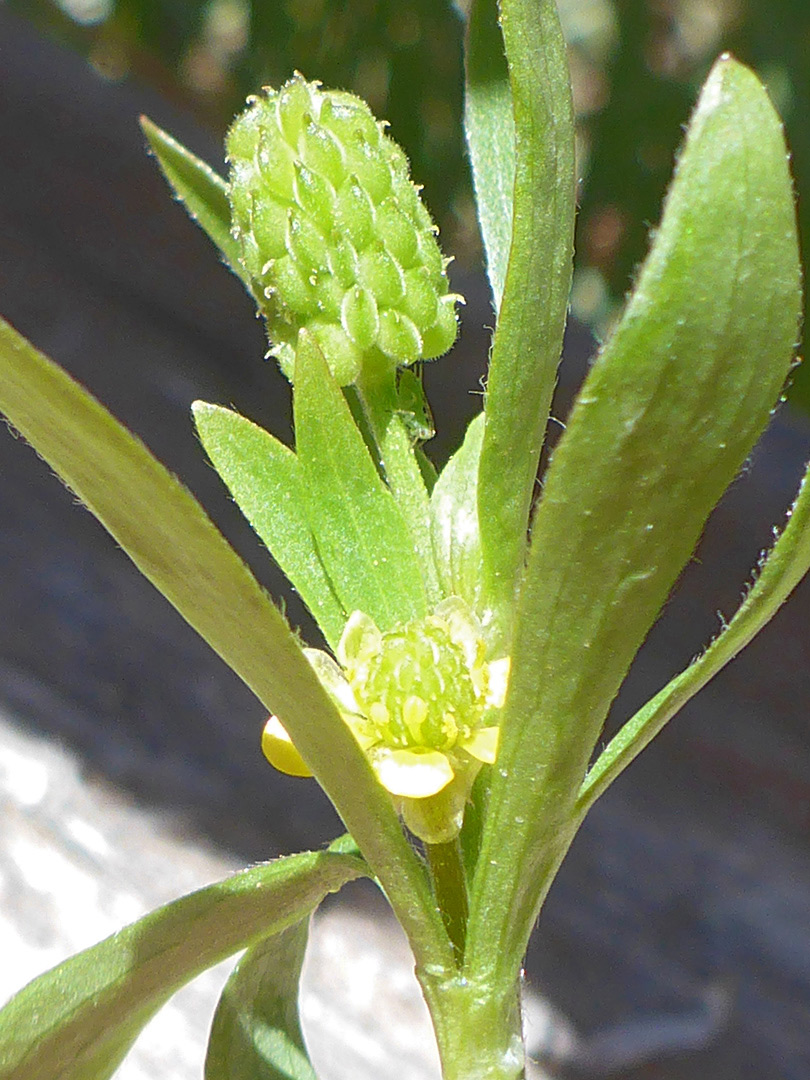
[203, 192]
[454, 520]
[256, 1033]
[665, 419]
[78, 1021]
[264, 477]
[362, 538]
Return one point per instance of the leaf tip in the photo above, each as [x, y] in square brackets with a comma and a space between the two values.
[728, 76]
[203, 412]
[151, 131]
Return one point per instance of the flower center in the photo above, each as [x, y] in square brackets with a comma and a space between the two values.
[417, 688]
[423, 704]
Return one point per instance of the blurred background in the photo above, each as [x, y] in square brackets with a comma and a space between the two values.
[636, 66]
[676, 942]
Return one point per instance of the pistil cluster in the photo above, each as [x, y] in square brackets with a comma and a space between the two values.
[334, 234]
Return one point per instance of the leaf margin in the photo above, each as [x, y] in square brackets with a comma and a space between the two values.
[237, 906]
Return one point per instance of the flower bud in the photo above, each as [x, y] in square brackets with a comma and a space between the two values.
[333, 233]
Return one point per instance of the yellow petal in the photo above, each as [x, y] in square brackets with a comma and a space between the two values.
[482, 744]
[415, 774]
[498, 681]
[277, 747]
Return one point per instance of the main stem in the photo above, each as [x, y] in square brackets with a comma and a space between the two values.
[478, 1027]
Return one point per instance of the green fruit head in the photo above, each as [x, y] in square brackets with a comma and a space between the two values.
[334, 234]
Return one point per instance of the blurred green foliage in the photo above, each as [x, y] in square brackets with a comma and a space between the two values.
[402, 56]
[637, 66]
[640, 68]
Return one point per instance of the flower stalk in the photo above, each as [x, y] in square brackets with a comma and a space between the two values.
[450, 889]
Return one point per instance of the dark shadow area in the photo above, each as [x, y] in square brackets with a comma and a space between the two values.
[690, 878]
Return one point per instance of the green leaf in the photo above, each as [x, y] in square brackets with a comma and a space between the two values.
[389, 408]
[667, 416]
[159, 524]
[345, 845]
[168, 536]
[256, 1033]
[202, 191]
[490, 129]
[362, 538]
[528, 340]
[780, 572]
[413, 407]
[264, 477]
[406, 482]
[408, 472]
[78, 1021]
[454, 519]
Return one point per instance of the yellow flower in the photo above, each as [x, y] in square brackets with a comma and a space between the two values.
[422, 702]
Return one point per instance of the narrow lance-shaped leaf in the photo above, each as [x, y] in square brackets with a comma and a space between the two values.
[256, 1033]
[264, 477]
[528, 340]
[490, 130]
[665, 419]
[780, 573]
[202, 191]
[78, 1021]
[167, 534]
[362, 538]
